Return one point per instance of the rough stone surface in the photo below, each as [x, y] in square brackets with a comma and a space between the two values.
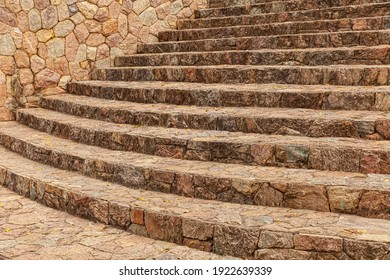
[248, 128]
[33, 232]
[25, 23]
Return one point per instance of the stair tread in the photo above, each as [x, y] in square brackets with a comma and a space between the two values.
[291, 13]
[212, 169]
[264, 50]
[236, 42]
[205, 135]
[258, 217]
[297, 27]
[287, 23]
[270, 5]
[239, 67]
[234, 87]
[367, 55]
[58, 236]
[290, 113]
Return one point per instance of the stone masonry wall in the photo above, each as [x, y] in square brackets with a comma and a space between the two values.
[46, 43]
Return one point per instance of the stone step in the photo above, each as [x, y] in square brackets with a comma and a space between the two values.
[339, 75]
[41, 233]
[277, 7]
[283, 28]
[368, 10]
[333, 154]
[240, 95]
[228, 3]
[291, 41]
[238, 230]
[280, 121]
[361, 55]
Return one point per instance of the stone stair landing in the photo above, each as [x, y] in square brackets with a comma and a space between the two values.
[258, 130]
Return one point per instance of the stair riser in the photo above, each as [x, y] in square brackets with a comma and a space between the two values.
[263, 125]
[326, 100]
[375, 10]
[229, 3]
[258, 192]
[371, 76]
[277, 7]
[360, 24]
[323, 40]
[239, 241]
[363, 57]
[282, 154]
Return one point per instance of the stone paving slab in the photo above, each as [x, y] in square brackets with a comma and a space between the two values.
[323, 191]
[314, 26]
[367, 10]
[281, 121]
[291, 41]
[276, 6]
[228, 229]
[30, 231]
[335, 154]
[361, 55]
[342, 75]
[241, 95]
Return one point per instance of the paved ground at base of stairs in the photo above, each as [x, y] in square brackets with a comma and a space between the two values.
[29, 230]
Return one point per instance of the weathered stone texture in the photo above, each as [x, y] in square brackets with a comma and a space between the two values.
[95, 23]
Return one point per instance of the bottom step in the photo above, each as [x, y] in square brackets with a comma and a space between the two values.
[227, 229]
[30, 231]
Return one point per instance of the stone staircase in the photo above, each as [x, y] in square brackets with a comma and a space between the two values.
[258, 130]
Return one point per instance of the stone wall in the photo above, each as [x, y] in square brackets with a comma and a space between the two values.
[46, 43]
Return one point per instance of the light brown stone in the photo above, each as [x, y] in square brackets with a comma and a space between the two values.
[102, 14]
[56, 47]
[269, 239]
[63, 28]
[119, 215]
[343, 199]
[308, 197]
[46, 78]
[164, 227]
[87, 9]
[34, 19]
[109, 27]
[63, 11]
[22, 19]
[268, 196]
[49, 17]
[7, 45]
[81, 32]
[320, 243]
[281, 254]
[95, 39]
[197, 230]
[45, 35]
[42, 4]
[71, 47]
[30, 42]
[235, 241]
[26, 76]
[22, 59]
[206, 246]
[363, 250]
[7, 65]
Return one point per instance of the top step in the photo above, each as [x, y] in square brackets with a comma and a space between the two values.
[229, 3]
[261, 6]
